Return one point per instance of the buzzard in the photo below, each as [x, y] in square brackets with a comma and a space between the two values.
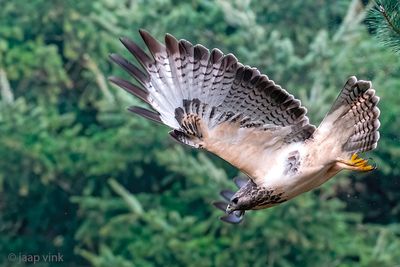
[213, 102]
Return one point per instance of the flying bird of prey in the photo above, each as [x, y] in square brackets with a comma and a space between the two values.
[213, 102]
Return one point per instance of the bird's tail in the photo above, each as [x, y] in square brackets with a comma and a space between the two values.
[353, 121]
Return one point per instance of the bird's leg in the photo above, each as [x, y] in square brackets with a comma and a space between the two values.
[355, 163]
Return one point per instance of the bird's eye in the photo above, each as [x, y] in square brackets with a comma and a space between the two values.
[235, 200]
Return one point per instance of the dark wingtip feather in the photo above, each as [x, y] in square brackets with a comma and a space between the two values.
[231, 61]
[136, 73]
[130, 88]
[153, 45]
[139, 54]
[146, 113]
[201, 52]
[123, 39]
[216, 55]
[171, 44]
[143, 31]
[186, 47]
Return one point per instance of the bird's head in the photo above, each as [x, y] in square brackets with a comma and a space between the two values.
[249, 196]
[243, 199]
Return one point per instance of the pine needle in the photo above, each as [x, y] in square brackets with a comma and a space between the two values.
[384, 21]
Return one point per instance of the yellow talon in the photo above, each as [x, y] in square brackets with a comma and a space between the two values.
[361, 163]
[367, 168]
[357, 164]
[356, 160]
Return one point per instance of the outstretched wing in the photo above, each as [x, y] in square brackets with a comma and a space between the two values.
[212, 101]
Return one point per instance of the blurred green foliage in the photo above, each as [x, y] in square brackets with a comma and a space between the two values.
[80, 176]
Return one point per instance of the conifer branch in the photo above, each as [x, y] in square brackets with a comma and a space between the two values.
[388, 20]
[384, 20]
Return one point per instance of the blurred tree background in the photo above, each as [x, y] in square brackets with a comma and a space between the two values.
[80, 176]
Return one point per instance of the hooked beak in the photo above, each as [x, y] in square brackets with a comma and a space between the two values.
[229, 209]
